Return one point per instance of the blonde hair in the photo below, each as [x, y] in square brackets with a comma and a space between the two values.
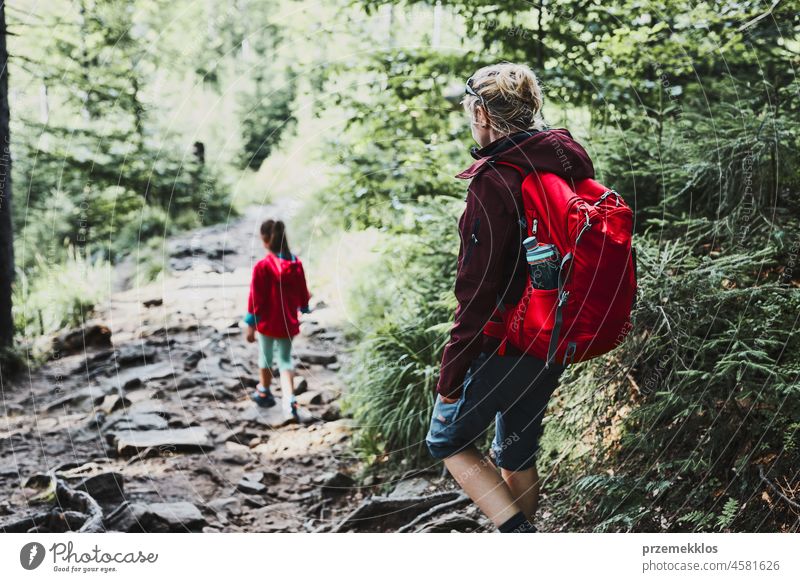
[510, 94]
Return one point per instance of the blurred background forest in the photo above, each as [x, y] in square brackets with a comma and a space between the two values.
[133, 120]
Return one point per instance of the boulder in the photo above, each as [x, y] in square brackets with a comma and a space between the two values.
[103, 486]
[332, 412]
[91, 335]
[335, 483]
[300, 385]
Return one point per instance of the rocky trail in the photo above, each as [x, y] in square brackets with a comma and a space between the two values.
[142, 420]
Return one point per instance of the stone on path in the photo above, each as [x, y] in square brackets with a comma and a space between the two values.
[311, 328]
[112, 403]
[336, 483]
[308, 398]
[77, 396]
[414, 487]
[157, 517]
[226, 505]
[311, 356]
[137, 421]
[193, 439]
[103, 486]
[250, 483]
[133, 377]
[451, 523]
[268, 417]
[332, 412]
[300, 385]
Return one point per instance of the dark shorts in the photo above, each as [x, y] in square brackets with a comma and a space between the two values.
[514, 391]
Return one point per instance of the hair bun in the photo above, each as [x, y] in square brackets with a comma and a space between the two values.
[511, 94]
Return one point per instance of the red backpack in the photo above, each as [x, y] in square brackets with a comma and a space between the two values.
[587, 313]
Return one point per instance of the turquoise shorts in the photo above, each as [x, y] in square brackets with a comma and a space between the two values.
[267, 347]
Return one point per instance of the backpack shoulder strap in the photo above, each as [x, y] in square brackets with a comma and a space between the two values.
[516, 167]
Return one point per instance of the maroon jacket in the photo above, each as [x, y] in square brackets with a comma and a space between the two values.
[491, 259]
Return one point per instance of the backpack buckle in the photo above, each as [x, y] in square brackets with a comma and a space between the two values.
[606, 194]
[562, 299]
[569, 355]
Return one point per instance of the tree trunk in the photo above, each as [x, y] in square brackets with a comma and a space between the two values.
[6, 237]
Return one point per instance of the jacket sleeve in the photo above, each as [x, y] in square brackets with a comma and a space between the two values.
[487, 228]
[259, 292]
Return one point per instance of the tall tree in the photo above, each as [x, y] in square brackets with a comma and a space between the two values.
[6, 238]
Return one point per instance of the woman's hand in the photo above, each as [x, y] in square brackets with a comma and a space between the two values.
[447, 400]
[250, 334]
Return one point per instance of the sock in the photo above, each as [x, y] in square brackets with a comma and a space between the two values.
[516, 524]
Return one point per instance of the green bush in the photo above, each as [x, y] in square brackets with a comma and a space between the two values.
[55, 296]
[403, 309]
[392, 380]
[668, 431]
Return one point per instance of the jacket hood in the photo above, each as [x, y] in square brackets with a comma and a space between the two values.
[285, 266]
[550, 150]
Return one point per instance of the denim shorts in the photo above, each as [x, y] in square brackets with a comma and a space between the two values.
[513, 391]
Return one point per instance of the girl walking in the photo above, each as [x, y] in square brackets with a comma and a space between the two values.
[277, 292]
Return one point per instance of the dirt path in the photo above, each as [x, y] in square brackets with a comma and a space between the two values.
[147, 411]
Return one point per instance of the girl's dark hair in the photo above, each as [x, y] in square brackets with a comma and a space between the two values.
[273, 232]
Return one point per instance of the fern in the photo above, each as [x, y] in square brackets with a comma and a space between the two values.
[729, 512]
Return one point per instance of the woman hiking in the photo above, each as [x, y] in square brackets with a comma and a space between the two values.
[277, 291]
[480, 383]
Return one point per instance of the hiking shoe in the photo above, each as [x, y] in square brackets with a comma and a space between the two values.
[290, 411]
[526, 527]
[263, 397]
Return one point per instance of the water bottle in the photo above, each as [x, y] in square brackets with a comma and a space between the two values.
[543, 264]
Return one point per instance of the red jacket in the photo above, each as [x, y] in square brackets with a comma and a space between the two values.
[277, 291]
[491, 260]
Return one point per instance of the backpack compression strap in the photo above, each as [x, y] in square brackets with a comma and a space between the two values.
[562, 300]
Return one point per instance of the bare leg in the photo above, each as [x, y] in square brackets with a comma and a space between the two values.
[265, 375]
[287, 390]
[480, 480]
[524, 486]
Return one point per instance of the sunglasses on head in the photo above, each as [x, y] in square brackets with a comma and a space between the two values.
[468, 90]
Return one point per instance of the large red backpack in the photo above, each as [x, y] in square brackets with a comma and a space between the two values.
[588, 314]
